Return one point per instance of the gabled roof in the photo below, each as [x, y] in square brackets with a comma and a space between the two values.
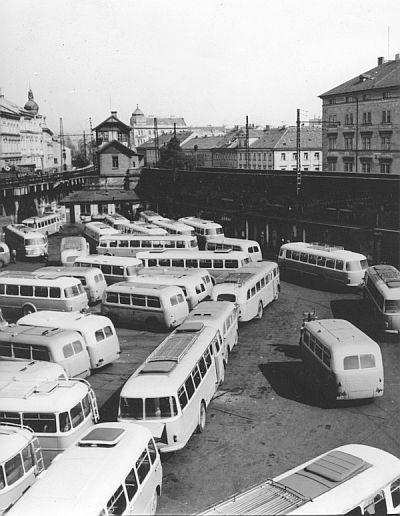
[268, 140]
[123, 149]
[206, 142]
[164, 139]
[113, 120]
[310, 137]
[386, 75]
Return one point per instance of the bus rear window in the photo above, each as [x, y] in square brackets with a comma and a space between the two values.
[156, 408]
[364, 264]
[73, 291]
[353, 266]
[351, 362]
[226, 297]
[392, 306]
[131, 408]
[367, 361]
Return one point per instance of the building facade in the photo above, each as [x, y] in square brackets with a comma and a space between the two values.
[143, 127]
[361, 122]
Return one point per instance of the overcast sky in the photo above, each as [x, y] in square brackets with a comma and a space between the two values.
[209, 61]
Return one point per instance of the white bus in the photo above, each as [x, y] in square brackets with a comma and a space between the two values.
[64, 347]
[114, 468]
[97, 331]
[204, 229]
[26, 242]
[71, 248]
[115, 220]
[25, 292]
[114, 268]
[382, 288]
[94, 230]
[149, 216]
[352, 479]
[130, 245]
[21, 461]
[210, 260]
[4, 255]
[92, 279]
[327, 263]
[196, 284]
[252, 287]
[221, 315]
[156, 307]
[58, 412]
[174, 227]
[170, 392]
[139, 227]
[39, 370]
[236, 244]
[47, 224]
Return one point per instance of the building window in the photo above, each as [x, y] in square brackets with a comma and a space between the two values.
[294, 155]
[331, 143]
[366, 167]
[386, 117]
[316, 155]
[348, 166]
[316, 169]
[385, 143]
[306, 155]
[366, 143]
[386, 95]
[114, 161]
[367, 120]
[332, 120]
[349, 99]
[385, 168]
[283, 156]
[332, 166]
[349, 119]
[332, 101]
[55, 161]
[348, 143]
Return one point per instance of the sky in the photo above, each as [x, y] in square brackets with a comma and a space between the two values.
[209, 61]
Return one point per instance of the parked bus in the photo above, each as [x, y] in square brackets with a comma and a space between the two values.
[92, 279]
[196, 284]
[39, 370]
[221, 315]
[115, 220]
[58, 412]
[97, 331]
[94, 230]
[174, 227]
[251, 247]
[149, 216]
[47, 224]
[352, 479]
[170, 392]
[343, 363]
[26, 242]
[4, 255]
[327, 263]
[203, 229]
[114, 268]
[155, 307]
[114, 468]
[63, 347]
[252, 287]
[21, 462]
[382, 288]
[71, 248]
[213, 261]
[130, 245]
[139, 227]
[25, 292]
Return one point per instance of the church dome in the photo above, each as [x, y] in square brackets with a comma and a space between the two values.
[31, 106]
[138, 111]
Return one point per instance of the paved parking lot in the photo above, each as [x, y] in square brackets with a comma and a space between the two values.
[262, 421]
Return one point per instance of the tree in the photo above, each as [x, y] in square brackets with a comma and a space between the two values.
[173, 157]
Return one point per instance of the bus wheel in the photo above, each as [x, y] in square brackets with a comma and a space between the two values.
[28, 309]
[259, 311]
[153, 503]
[202, 418]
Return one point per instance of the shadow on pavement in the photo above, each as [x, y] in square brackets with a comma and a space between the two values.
[109, 410]
[358, 312]
[289, 351]
[312, 282]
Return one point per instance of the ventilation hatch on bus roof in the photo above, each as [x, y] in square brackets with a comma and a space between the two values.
[223, 251]
[238, 277]
[103, 436]
[336, 466]
[390, 275]
[21, 389]
[325, 247]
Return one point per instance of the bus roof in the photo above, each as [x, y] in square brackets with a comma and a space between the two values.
[131, 287]
[162, 221]
[37, 334]
[131, 236]
[176, 272]
[13, 439]
[22, 369]
[65, 320]
[167, 367]
[44, 216]
[58, 272]
[229, 240]
[324, 250]
[247, 273]
[387, 278]
[24, 230]
[188, 253]
[79, 480]
[36, 279]
[211, 313]
[41, 396]
[108, 260]
[197, 223]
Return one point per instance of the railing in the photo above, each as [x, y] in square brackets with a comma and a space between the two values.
[15, 179]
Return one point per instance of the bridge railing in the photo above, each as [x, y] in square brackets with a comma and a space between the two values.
[17, 179]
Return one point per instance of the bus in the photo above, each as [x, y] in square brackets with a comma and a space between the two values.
[139, 227]
[351, 479]
[94, 230]
[64, 347]
[213, 261]
[21, 461]
[59, 412]
[11, 370]
[203, 229]
[48, 224]
[252, 288]
[325, 262]
[149, 216]
[221, 315]
[174, 227]
[97, 331]
[71, 248]
[236, 244]
[382, 288]
[155, 307]
[341, 362]
[196, 284]
[4, 255]
[26, 242]
[114, 468]
[130, 245]
[92, 279]
[170, 392]
[115, 220]
[114, 268]
[25, 293]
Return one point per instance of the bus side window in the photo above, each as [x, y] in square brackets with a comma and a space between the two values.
[77, 346]
[321, 261]
[339, 265]
[189, 387]
[395, 492]
[117, 503]
[143, 466]
[176, 263]
[330, 263]
[377, 505]
[182, 396]
[131, 484]
[173, 300]
[14, 469]
[202, 367]
[2, 289]
[99, 335]
[152, 451]
[68, 351]
[312, 259]
[196, 376]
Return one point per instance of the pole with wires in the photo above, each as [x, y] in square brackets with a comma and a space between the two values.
[298, 161]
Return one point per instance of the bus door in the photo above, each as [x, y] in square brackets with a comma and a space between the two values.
[219, 357]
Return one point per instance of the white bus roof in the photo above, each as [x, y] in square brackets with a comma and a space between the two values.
[188, 253]
[142, 236]
[109, 260]
[44, 216]
[41, 396]
[37, 369]
[167, 367]
[246, 273]
[210, 312]
[37, 334]
[177, 272]
[24, 231]
[324, 250]
[143, 228]
[130, 287]
[199, 223]
[387, 278]
[163, 279]
[72, 242]
[172, 223]
[85, 476]
[229, 240]
[115, 216]
[36, 279]
[58, 272]
[13, 439]
[65, 320]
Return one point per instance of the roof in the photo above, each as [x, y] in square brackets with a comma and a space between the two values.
[132, 287]
[95, 196]
[268, 140]
[117, 145]
[12, 440]
[386, 75]
[164, 139]
[64, 320]
[310, 137]
[206, 142]
[113, 120]
[104, 259]
[324, 250]
[23, 369]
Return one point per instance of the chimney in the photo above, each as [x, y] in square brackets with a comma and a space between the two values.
[114, 113]
[1, 93]
[380, 61]
[397, 57]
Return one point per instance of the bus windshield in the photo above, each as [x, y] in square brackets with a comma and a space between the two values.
[149, 408]
[227, 297]
[34, 241]
[73, 291]
[392, 306]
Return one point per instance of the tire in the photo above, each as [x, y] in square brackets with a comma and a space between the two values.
[154, 502]
[259, 311]
[28, 309]
[202, 418]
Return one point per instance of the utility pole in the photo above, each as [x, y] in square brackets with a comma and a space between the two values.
[247, 142]
[298, 161]
[84, 146]
[94, 147]
[62, 146]
[174, 172]
[156, 143]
